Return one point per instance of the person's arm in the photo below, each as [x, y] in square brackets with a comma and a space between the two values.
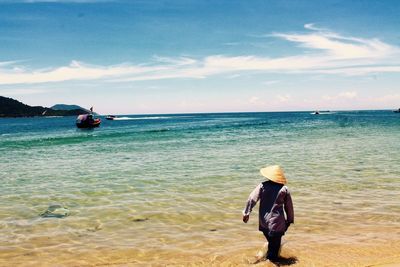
[289, 209]
[251, 202]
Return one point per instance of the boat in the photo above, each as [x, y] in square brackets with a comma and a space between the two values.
[110, 117]
[87, 121]
[316, 112]
[396, 110]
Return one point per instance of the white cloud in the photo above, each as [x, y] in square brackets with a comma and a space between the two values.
[348, 95]
[270, 82]
[331, 54]
[311, 26]
[283, 98]
[254, 100]
[8, 63]
[394, 98]
[181, 61]
[74, 71]
[339, 47]
[341, 96]
[361, 70]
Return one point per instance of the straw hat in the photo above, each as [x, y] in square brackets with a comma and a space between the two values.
[274, 173]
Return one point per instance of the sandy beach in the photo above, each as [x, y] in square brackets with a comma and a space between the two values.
[217, 247]
[382, 254]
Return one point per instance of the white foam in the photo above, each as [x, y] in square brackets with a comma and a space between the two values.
[139, 118]
[322, 113]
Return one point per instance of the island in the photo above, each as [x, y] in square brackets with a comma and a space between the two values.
[11, 108]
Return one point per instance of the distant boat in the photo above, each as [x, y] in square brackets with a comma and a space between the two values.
[397, 110]
[322, 112]
[110, 117]
[87, 121]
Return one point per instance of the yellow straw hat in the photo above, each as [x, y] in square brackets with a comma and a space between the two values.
[274, 173]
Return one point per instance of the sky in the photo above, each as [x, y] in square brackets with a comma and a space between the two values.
[189, 56]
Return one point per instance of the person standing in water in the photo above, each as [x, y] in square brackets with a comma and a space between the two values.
[275, 201]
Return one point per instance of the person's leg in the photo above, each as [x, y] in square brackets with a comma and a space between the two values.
[274, 244]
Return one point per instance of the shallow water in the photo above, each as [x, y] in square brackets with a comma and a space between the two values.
[170, 189]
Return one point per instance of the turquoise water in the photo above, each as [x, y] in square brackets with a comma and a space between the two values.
[177, 184]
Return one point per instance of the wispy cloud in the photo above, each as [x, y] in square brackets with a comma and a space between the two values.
[341, 47]
[254, 100]
[327, 52]
[347, 95]
[271, 82]
[394, 98]
[283, 98]
[74, 71]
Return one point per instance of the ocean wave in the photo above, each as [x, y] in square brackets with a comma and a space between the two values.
[140, 118]
[157, 130]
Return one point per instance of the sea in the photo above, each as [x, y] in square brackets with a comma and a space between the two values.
[158, 190]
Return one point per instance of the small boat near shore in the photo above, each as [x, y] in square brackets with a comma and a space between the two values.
[87, 121]
[110, 117]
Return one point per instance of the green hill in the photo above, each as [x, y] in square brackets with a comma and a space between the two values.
[67, 107]
[12, 108]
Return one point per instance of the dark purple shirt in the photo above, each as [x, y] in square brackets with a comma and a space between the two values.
[275, 201]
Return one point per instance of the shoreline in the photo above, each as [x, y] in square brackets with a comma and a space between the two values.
[294, 253]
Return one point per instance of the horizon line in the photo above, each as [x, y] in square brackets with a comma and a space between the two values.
[236, 112]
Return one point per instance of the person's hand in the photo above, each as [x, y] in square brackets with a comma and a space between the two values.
[246, 218]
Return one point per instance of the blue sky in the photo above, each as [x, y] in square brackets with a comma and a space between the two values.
[141, 57]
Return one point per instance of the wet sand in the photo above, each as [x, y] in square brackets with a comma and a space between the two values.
[381, 253]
